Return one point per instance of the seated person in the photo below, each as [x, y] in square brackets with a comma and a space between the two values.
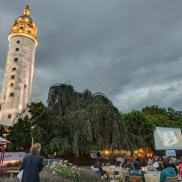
[160, 167]
[180, 167]
[156, 164]
[139, 161]
[136, 171]
[97, 165]
[117, 163]
[168, 171]
[130, 164]
[144, 162]
[150, 166]
[124, 163]
[172, 164]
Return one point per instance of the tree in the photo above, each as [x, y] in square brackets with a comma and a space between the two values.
[73, 123]
[46, 126]
[20, 135]
[90, 121]
[144, 122]
[138, 124]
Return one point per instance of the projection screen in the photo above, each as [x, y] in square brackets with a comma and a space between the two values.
[167, 138]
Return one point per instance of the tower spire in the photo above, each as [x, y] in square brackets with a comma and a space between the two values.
[26, 11]
[25, 26]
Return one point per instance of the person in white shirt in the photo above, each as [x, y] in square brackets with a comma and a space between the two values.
[156, 164]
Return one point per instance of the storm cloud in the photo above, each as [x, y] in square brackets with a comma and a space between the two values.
[129, 50]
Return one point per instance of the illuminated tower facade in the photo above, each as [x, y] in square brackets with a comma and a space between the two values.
[17, 83]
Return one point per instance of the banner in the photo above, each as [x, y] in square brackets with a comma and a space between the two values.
[171, 153]
[10, 156]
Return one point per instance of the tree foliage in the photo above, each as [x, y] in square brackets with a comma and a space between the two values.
[78, 123]
[90, 121]
[20, 135]
[45, 126]
[144, 122]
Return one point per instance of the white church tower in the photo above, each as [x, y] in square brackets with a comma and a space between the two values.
[17, 83]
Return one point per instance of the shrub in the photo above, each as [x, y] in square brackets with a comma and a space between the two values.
[70, 172]
[13, 164]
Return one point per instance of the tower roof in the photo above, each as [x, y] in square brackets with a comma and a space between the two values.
[24, 24]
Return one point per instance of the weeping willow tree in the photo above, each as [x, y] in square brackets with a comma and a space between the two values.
[91, 122]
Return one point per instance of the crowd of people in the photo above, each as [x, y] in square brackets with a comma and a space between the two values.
[166, 166]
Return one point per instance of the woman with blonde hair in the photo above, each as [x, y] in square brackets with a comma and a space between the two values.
[32, 165]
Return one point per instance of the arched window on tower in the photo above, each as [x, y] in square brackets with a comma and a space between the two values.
[25, 86]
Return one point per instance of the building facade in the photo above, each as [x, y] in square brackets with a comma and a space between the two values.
[17, 83]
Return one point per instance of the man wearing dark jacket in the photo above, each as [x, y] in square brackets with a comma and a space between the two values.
[97, 165]
[32, 165]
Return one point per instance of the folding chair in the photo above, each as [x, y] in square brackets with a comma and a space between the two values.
[126, 176]
[135, 179]
[172, 179]
[112, 168]
[117, 175]
[124, 169]
[114, 173]
[110, 175]
[159, 173]
[98, 172]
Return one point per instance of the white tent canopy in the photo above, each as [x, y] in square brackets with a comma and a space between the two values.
[3, 141]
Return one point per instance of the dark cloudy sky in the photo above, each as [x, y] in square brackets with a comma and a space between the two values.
[130, 50]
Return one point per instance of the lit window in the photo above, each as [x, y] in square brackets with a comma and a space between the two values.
[11, 84]
[9, 116]
[11, 94]
[15, 59]
[13, 69]
[12, 76]
[18, 42]
[17, 49]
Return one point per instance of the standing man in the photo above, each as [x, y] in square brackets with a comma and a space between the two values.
[32, 165]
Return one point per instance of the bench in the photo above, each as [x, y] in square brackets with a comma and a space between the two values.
[12, 172]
